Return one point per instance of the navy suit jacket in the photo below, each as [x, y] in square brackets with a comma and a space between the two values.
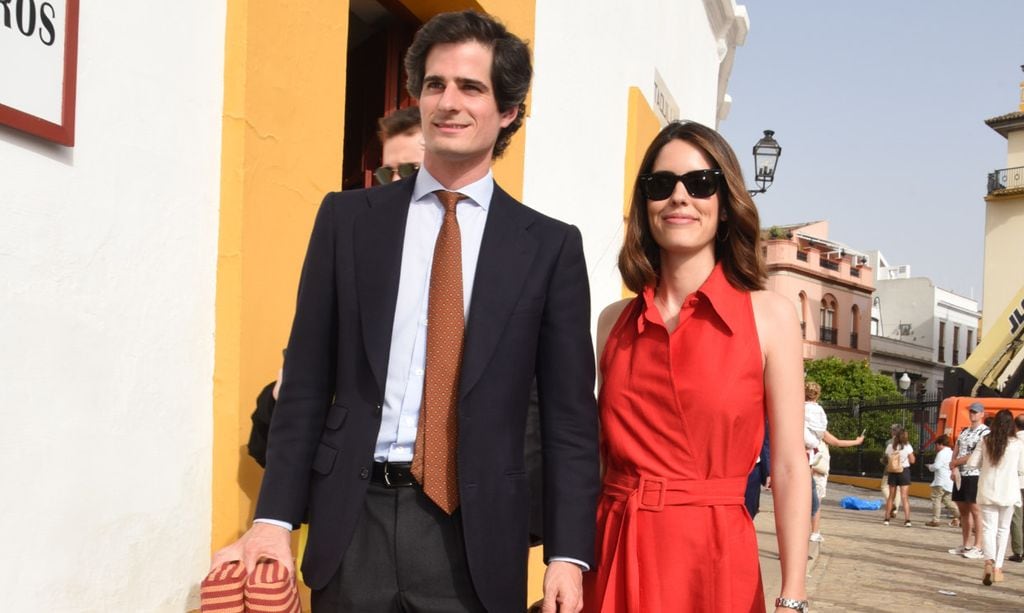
[529, 317]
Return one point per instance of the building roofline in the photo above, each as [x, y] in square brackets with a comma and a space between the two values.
[1004, 124]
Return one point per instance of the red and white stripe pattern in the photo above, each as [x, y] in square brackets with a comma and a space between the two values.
[268, 589]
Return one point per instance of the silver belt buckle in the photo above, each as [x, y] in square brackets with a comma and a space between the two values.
[387, 474]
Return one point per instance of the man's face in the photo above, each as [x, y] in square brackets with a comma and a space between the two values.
[461, 119]
[406, 148]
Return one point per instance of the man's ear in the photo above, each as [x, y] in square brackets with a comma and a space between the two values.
[508, 116]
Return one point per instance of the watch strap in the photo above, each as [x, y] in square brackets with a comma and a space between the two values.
[790, 603]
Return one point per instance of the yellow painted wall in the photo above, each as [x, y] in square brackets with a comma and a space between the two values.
[284, 97]
[642, 125]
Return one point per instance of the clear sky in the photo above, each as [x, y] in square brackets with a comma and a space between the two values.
[879, 108]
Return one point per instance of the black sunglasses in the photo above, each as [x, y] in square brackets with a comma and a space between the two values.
[386, 174]
[698, 183]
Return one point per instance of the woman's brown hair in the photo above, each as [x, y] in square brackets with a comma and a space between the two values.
[738, 241]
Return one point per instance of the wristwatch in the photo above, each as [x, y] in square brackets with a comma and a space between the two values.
[789, 603]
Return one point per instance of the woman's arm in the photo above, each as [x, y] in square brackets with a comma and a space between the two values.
[837, 442]
[779, 331]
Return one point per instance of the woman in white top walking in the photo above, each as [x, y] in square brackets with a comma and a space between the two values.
[1000, 456]
[899, 446]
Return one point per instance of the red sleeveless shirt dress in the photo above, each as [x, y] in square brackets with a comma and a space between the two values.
[682, 422]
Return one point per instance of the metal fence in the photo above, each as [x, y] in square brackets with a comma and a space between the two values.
[847, 419]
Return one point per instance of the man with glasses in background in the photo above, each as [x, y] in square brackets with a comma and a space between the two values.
[401, 139]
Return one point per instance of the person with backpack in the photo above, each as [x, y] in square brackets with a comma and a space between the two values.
[899, 455]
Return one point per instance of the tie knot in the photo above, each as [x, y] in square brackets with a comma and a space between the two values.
[449, 199]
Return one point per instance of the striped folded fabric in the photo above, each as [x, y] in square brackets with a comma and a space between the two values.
[221, 591]
[268, 589]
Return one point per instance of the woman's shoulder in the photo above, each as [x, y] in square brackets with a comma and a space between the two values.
[611, 313]
[606, 321]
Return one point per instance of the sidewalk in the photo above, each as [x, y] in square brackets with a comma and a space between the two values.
[865, 566]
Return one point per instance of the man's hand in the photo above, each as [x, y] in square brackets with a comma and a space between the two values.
[563, 588]
[260, 541]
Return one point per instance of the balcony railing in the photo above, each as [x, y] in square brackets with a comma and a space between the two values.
[853, 340]
[855, 272]
[829, 335]
[829, 264]
[801, 255]
[1006, 178]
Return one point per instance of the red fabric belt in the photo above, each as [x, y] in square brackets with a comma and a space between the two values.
[655, 493]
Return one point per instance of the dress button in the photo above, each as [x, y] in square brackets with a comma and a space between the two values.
[364, 472]
[377, 411]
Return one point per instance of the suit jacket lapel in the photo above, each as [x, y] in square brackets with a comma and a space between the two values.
[506, 253]
[378, 237]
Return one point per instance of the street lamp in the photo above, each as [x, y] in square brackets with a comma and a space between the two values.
[904, 383]
[766, 157]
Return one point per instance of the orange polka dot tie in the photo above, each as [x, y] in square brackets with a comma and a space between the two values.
[434, 459]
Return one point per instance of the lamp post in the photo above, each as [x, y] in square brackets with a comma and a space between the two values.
[766, 156]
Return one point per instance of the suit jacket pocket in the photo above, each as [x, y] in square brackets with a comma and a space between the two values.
[336, 416]
[323, 461]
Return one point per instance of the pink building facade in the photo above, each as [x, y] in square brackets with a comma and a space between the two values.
[830, 286]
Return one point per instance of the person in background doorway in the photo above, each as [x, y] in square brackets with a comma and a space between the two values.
[1000, 457]
[401, 139]
[966, 492]
[942, 483]
[900, 446]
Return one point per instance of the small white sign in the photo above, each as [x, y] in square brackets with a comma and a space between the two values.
[663, 100]
[38, 50]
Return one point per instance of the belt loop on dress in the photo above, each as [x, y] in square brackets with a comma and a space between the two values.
[659, 489]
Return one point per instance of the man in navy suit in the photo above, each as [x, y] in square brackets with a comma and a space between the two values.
[342, 451]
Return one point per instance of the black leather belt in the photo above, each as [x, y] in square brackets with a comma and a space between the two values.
[393, 474]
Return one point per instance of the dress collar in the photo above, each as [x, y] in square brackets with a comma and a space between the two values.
[716, 291]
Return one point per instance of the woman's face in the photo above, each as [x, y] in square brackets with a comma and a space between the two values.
[681, 223]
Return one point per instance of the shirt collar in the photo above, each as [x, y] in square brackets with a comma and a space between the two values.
[479, 191]
[716, 291]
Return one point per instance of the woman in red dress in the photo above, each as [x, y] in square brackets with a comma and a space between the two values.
[690, 368]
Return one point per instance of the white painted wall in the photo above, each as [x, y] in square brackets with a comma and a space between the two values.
[107, 275]
[586, 57]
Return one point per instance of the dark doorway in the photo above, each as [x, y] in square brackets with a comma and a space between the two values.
[379, 32]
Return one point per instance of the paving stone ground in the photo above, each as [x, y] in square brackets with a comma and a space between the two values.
[865, 566]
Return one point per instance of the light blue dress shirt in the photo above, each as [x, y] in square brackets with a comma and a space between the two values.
[403, 391]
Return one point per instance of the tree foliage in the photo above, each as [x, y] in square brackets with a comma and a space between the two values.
[850, 380]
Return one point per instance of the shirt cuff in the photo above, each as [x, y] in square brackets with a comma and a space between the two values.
[583, 565]
[274, 522]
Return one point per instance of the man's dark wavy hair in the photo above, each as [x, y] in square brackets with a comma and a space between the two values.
[510, 68]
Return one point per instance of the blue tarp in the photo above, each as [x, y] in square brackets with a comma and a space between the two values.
[860, 504]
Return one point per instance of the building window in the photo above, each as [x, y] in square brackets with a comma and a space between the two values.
[829, 333]
[803, 315]
[854, 325]
[942, 341]
[970, 343]
[956, 345]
